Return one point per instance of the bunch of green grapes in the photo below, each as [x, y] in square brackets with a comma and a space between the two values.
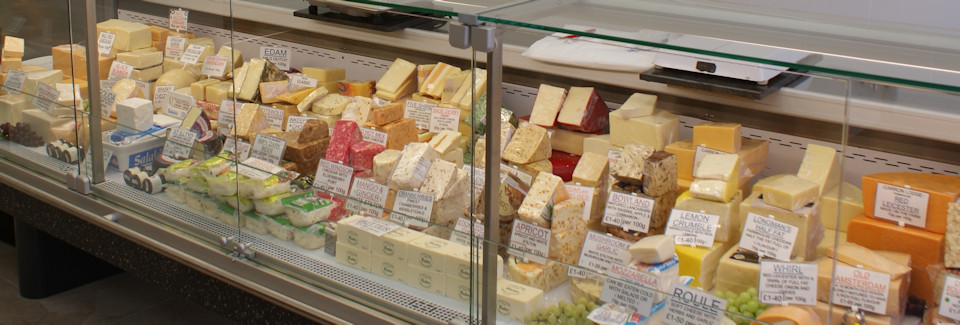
[563, 313]
[744, 304]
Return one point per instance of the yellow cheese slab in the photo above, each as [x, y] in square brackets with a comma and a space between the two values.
[656, 130]
[718, 135]
[837, 213]
[821, 165]
[790, 192]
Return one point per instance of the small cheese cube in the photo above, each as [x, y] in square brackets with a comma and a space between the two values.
[12, 47]
[412, 166]
[710, 189]
[516, 301]
[400, 133]
[717, 135]
[655, 130]
[653, 249]
[723, 167]
[584, 110]
[820, 164]
[141, 59]
[839, 205]
[530, 143]
[547, 190]
[629, 168]
[638, 105]
[345, 135]
[660, 174]
[135, 115]
[547, 105]
[592, 170]
[362, 153]
[728, 230]
[387, 114]
[383, 164]
[790, 192]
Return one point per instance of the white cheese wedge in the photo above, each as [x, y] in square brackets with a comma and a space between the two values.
[638, 105]
[314, 96]
[400, 72]
[790, 192]
[445, 141]
[412, 167]
[653, 249]
[724, 167]
[547, 105]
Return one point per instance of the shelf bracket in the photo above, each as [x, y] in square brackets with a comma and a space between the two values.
[237, 249]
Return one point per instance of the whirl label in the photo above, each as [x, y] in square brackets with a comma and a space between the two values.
[699, 229]
[864, 289]
[529, 241]
[420, 112]
[688, 306]
[413, 208]
[899, 204]
[628, 211]
[631, 289]
[367, 197]
[788, 283]
[600, 252]
[333, 177]
[768, 237]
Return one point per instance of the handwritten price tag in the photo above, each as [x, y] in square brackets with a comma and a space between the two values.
[175, 47]
[298, 82]
[192, 54]
[628, 211]
[333, 177]
[295, 123]
[529, 241]
[444, 119]
[420, 112]
[214, 66]
[105, 43]
[179, 19]
[46, 98]
[120, 70]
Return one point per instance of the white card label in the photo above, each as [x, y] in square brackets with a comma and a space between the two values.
[46, 97]
[444, 119]
[274, 116]
[367, 197]
[214, 66]
[179, 104]
[768, 237]
[144, 88]
[601, 251]
[420, 112]
[257, 169]
[226, 116]
[688, 306]
[788, 283]
[175, 47]
[192, 54]
[107, 98]
[160, 94]
[703, 151]
[414, 208]
[296, 123]
[333, 177]
[864, 289]
[120, 70]
[950, 299]
[240, 148]
[628, 211]
[267, 148]
[179, 19]
[899, 204]
[692, 228]
[371, 135]
[179, 143]
[105, 43]
[584, 193]
[380, 102]
[631, 289]
[278, 55]
[300, 81]
[15, 80]
[374, 226]
[613, 156]
[463, 230]
[529, 241]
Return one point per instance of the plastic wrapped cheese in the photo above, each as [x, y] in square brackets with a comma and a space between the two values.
[255, 222]
[309, 237]
[280, 227]
[305, 209]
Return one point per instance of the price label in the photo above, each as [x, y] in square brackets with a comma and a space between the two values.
[584, 193]
[380, 102]
[214, 66]
[15, 80]
[700, 228]
[367, 197]
[226, 117]
[613, 156]
[175, 47]
[529, 241]
[192, 54]
[371, 135]
[241, 148]
[600, 252]
[105, 43]
[178, 104]
[296, 123]
[628, 211]
[900, 204]
[413, 208]
[444, 119]
[374, 226]
[333, 177]
[691, 306]
[160, 95]
[274, 116]
[463, 230]
[278, 55]
[144, 88]
[788, 283]
[703, 151]
[298, 82]
[864, 289]
[268, 149]
[631, 289]
[950, 299]
[419, 112]
[179, 143]
[46, 97]
[768, 237]
[107, 99]
[179, 19]
[120, 70]
[257, 169]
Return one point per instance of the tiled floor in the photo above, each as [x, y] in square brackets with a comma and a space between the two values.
[120, 299]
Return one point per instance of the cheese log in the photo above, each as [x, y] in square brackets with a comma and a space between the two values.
[820, 164]
[638, 105]
[629, 168]
[178, 78]
[412, 166]
[258, 71]
[709, 189]
[660, 174]
[387, 114]
[400, 72]
[599, 144]
[952, 258]
[662, 204]
[718, 135]
[345, 135]
[325, 75]
[400, 133]
[141, 59]
[701, 263]
[12, 47]
[592, 170]
[383, 164]
[362, 153]
[445, 141]
[584, 110]
[896, 291]
[198, 89]
[653, 249]
[724, 167]
[332, 104]
[433, 85]
[11, 107]
[530, 143]
[537, 207]
[544, 277]
[941, 188]
[655, 130]
[926, 248]
[270, 91]
[547, 105]
[790, 192]
[440, 177]
[839, 315]
[130, 36]
[837, 213]
[857, 255]
[516, 301]
[789, 315]
[135, 115]
[218, 92]
[809, 229]
[728, 229]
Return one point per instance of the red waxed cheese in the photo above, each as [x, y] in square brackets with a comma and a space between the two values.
[564, 164]
[361, 155]
[583, 110]
[345, 134]
[339, 206]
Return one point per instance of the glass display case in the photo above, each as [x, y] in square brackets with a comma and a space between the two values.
[514, 161]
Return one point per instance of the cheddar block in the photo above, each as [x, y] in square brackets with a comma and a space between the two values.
[896, 292]
[35, 78]
[592, 170]
[718, 135]
[837, 213]
[728, 230]
[8, 64]
[141, 59]
[655, 130]
[234, 57]
[198, 89]
[584, 110]
[701, 262]
[270, 91]
[926, 248]
[653, 249]
[547, 106]
[400, 133]
[218, 92]
[599, 144]
[248, 121]
[408, 87]
[857, 255]
[451, 84]
[325, 75]
[942, 189]
[809, 232]
[11, 107]
[630, 167]
[546, 191]
[178, 78]
[516, 301]
[71, 58]
[821, 165]
[530, 143]
[790, 192]
[685, 153]
[130, 36]
[386, 114]
[12, 47]
[710, 189]
[638, 105]
[724, 167]
[433, 85]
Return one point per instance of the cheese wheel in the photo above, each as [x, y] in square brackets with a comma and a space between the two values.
[792, 315]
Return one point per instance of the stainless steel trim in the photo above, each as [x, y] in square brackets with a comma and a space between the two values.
[491, 222]
[96, 143]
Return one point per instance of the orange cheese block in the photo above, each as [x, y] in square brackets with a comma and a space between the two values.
[399, 133]
[925, 247]
[942, 189]
[793, 315]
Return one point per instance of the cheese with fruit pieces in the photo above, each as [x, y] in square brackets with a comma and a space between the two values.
[129, 35]
[568, 216]
[860, 256]
[412, 166]
[141, 59]
[653, 249]
[701, 262]
[790, 192]
[332, 104]
[383, 164]
[718, 135]
[942, 189]
[248, 121]
[662, 204]
[896, 292]
[530, 143]
[400, 133]
[592, 170]
[12, 47]
[724, 167]
[546, 191]
[547, 105]
[345, 135]
[135, 115]
[218, 92]
[258, 71]
[516, 301]
[638, 105]
[849, 205]
[440, 177]
[270, 91]
[820, 165]
[660, 174]
[445, 141]
[710, 189]
[540, 276]
[584, 110]
[728, 229]
[655, 130]
[809, 228]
